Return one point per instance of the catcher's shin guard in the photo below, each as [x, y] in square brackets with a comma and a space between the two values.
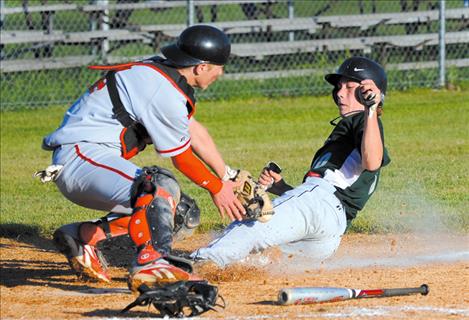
[78, 242]
[155, 195]
[110, 226]
[85, 259]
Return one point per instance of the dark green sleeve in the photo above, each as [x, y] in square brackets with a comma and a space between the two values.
[279, 188]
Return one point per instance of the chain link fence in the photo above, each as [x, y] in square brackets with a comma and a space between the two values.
[279, 47]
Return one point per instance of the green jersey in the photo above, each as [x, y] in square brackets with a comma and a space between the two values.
[339, 162]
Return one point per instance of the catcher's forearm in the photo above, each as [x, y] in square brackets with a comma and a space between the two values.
[203, 145]
[195, 170]
[279, 187]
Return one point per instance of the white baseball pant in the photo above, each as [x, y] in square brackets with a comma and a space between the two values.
[309, 220]
[95, 176]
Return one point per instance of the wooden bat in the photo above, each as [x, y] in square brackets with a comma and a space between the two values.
[309, 295]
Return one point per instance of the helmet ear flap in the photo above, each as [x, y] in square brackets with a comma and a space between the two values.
[335, 90]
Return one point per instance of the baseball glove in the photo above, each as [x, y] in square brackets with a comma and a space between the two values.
[179, 299]
[253, 197]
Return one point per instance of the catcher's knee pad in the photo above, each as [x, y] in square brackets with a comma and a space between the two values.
[154, 197]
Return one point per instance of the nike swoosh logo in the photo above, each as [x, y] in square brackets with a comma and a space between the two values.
[356, 69]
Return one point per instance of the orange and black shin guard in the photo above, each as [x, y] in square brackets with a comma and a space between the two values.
[111, 226]
[139, 231]
[151, 225]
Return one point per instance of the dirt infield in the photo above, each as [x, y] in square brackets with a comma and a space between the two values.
[36, 282]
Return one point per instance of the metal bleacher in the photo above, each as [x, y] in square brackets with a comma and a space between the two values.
[152, 35]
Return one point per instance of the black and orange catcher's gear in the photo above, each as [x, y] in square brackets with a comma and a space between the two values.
[154, 197]
[182, 221]
[110, 226]
[160, 213]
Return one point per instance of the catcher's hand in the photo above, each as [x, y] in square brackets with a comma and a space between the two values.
[253, 197]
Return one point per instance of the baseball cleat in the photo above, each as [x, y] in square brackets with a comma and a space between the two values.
[155, 273]
[86, 260]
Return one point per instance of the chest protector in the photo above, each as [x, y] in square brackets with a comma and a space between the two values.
[134, 137]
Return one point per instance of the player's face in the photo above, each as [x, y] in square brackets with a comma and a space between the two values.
[346, 101]
[207, 74]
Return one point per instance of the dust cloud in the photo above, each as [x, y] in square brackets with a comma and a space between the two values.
[423, 232]
[426, 233]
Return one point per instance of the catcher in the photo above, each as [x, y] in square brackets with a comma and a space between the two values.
[343, 175]
[136, 104]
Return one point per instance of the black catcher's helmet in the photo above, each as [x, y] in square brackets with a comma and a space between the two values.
[199, 44]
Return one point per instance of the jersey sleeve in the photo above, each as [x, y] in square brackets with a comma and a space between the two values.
[167, 123]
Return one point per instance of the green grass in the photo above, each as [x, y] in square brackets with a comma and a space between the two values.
[425, 187]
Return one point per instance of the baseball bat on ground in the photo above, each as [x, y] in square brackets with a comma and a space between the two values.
[311, 295]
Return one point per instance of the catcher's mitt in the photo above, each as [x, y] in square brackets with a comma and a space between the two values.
[253, 197]
[179, 299]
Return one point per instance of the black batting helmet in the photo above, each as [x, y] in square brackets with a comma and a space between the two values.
[359, 69]
[199, 44]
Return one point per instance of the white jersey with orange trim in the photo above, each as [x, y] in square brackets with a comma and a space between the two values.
[149, 95]
[88, 144]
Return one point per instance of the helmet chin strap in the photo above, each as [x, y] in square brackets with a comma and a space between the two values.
[333, 121]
